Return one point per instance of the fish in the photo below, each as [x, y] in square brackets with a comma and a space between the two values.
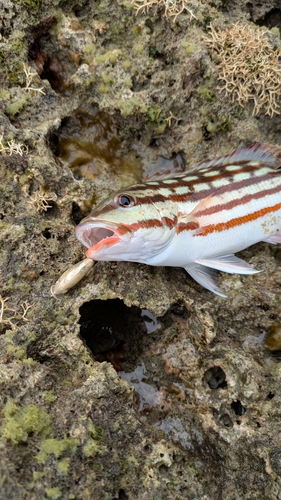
[197, 219]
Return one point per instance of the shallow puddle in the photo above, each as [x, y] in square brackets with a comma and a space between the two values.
[90, 142]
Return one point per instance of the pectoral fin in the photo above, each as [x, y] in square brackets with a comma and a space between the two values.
[228, 264]
[205, 277]
[274, 239]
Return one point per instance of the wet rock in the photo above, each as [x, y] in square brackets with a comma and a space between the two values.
[195, 411]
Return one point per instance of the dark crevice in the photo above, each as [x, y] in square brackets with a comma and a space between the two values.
[47, 233]
[272, 19]
[44, 58]
[238, 408]
[215, 378]
[270, 396]
[76, 213]
[114, 332]
[51, 209]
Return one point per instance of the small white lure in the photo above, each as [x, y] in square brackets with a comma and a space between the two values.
[71, 277]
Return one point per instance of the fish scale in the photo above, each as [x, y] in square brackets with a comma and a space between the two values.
[196, 219]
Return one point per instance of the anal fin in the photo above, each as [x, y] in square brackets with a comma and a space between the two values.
[229, 264]
[205, 277]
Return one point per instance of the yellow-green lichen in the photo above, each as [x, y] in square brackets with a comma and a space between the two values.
[20, 422]
[138, 49]
[128, 83]
[53, 493]
[15, 107]
[110, 56]
[37, 475]
[131, 105]
[104, 89]
[31, 4]
[4, 94]
[155, 115]
[126, 64]
[63, 466]
[49, 396]
[107, 80]
[93, 444]
[189, 47]
[206, 91]
[55, 447]
[222, 125]
[17, 351]
[128, 463]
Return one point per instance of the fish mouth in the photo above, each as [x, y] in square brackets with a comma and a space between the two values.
[96, 234]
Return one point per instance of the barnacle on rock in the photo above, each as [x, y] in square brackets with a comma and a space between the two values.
[248, 66]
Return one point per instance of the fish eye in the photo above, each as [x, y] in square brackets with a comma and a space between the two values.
[124, 200]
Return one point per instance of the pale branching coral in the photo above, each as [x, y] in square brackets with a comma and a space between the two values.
[10, 317]
[248, 65]
[12, 147]
[41, 201]
[172, 8]
[30, 74]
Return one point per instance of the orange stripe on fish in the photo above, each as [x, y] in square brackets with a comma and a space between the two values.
[238, 221]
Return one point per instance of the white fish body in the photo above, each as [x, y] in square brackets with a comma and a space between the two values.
[196, 219]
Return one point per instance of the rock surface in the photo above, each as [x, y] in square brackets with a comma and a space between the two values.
[137, 384]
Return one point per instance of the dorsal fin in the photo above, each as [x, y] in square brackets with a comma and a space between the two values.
[159, 176]
[255, 151]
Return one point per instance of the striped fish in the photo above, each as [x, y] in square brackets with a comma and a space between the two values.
[196, 219]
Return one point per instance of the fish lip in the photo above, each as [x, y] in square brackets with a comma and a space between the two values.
[91, 233]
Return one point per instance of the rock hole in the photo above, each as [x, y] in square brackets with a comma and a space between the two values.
[238, 408]
[226, 420]
[121, 495]
[207, 136]
[76, 213]
[178, 309]
[272, 19]
[270, 396]
[215, 378]
[51, 209]
[41, 53]
[53, 70]
[46, 233]
[113, 331]
[147, 448]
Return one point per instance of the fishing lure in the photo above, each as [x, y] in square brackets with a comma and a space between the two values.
[71, 277]
[196, 219]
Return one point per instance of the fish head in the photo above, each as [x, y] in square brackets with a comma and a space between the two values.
[128, 226]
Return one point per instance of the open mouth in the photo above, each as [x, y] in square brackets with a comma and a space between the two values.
[94, 234]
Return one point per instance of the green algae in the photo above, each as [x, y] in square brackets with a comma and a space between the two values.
[56, 447]
[31, 4]
[63, 466]
[53, 493]
[93, 444]
[20, 422]
[49, 396]
[37, 475]
[131, 105]
[223, 125]
[189, 47]
[206, 91]
[15, 107]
